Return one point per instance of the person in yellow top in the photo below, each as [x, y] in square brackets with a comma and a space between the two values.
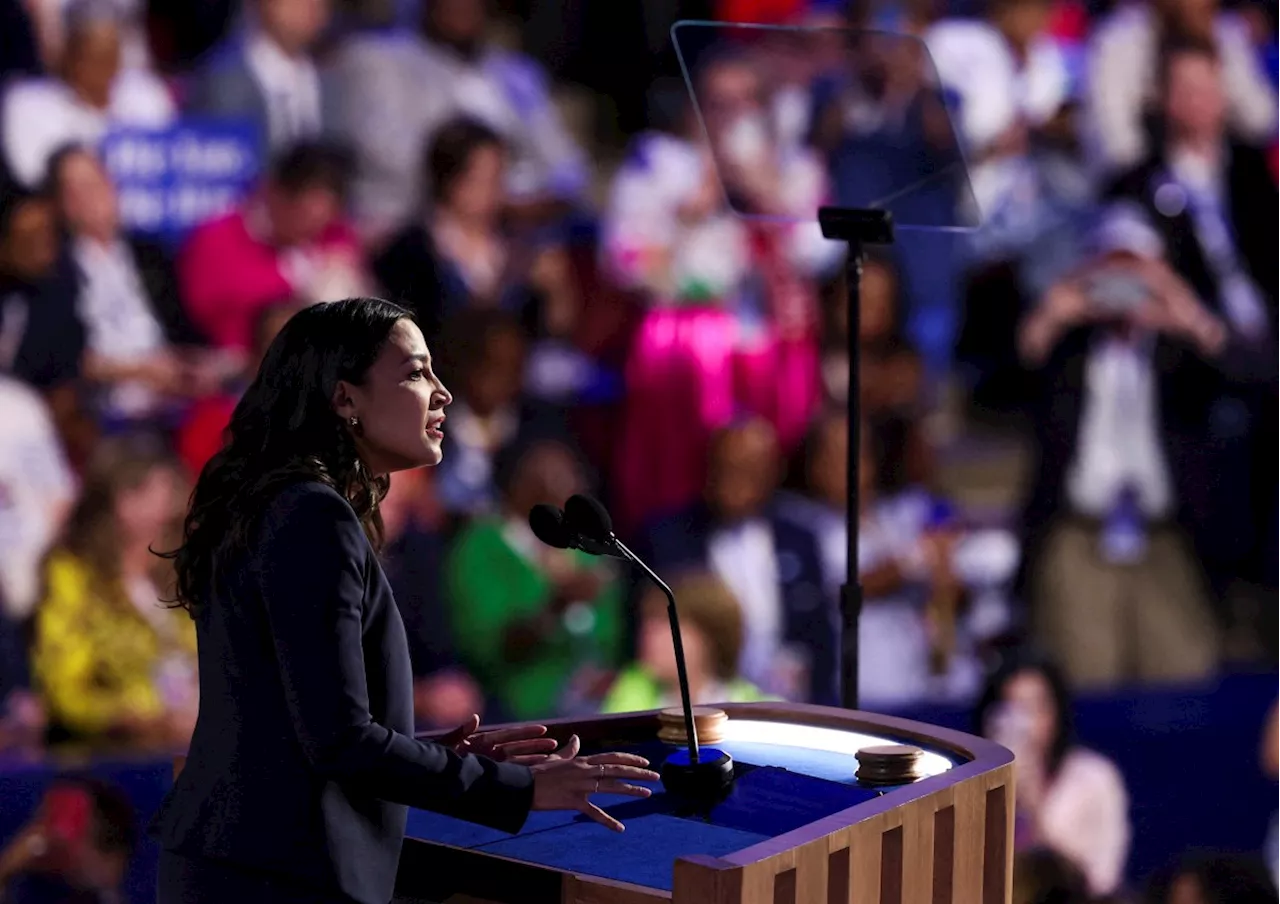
[712, 630]
[109, 658]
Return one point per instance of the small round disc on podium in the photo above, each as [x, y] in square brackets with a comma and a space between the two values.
[708, 722]
[890, 764]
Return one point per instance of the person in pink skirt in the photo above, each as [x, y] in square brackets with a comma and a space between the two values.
[732, 322]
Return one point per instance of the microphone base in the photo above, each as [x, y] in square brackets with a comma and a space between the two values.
[706, 781]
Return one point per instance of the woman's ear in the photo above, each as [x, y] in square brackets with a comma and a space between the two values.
[344, 404]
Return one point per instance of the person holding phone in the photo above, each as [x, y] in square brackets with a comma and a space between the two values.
[1069, 799]
[303, 763]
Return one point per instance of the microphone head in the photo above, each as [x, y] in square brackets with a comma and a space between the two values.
[547, 524]
[587, 517]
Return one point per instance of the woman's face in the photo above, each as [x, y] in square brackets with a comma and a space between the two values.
[87, 198]
[145, 511]
[400, 405]
[1033, 697]
[477, 191]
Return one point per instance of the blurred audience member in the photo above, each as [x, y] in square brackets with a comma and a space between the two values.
[1212, 879]
[1129, 360]
[458, 255]
[91, 94]
[412, 556]
[772, 566]
[1069, 799]
[482, 356]
[37, 490]
[1042, 876]
[732, 319]
[201, 433]
[540, 627]
[912, 644]
[75, 849]
[1206, 194]
[712, 631]
[112, 662]
[1010, 79]
[268, 75]
[892, 380]
[127, 352]
[41, 337]
[288, 241]
[1123, 78]
[382, 80]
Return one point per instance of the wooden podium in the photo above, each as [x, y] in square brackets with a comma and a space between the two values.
[947, 837]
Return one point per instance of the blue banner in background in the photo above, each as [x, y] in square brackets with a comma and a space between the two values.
[170, 180]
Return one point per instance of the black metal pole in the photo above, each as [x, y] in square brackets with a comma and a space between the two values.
[851, 592]
[857, 228]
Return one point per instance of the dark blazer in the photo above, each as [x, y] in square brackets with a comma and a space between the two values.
[303, 761]
[1233, 515]
[1213, 420]
[810, 617]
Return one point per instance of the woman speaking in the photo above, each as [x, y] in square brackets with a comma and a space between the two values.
[303, 761]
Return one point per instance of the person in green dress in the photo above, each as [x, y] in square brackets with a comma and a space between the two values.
[539, 627]
[712, 631]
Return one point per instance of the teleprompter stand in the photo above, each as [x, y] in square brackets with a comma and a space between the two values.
[857, 229]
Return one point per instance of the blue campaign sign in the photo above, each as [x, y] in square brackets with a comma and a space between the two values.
[170, 180]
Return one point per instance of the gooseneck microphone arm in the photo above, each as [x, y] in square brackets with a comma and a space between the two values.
[682, 672]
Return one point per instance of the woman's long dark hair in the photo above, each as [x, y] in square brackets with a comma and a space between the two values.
[285, 430]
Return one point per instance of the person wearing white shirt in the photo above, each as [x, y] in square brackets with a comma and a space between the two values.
[93, 94]
[37, 488]
[269, 77]
[127, 352]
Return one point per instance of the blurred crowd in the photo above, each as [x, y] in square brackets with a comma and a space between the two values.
[637, 302]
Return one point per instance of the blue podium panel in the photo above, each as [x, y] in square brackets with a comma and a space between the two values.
[642, 855]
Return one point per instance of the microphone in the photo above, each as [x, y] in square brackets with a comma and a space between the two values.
[704, 774]
[550, 526]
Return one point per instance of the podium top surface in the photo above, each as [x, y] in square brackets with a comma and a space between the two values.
[795, 781]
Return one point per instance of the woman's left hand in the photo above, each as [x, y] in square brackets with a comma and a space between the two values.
[524, 744]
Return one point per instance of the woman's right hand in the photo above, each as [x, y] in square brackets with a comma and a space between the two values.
[565, 782]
